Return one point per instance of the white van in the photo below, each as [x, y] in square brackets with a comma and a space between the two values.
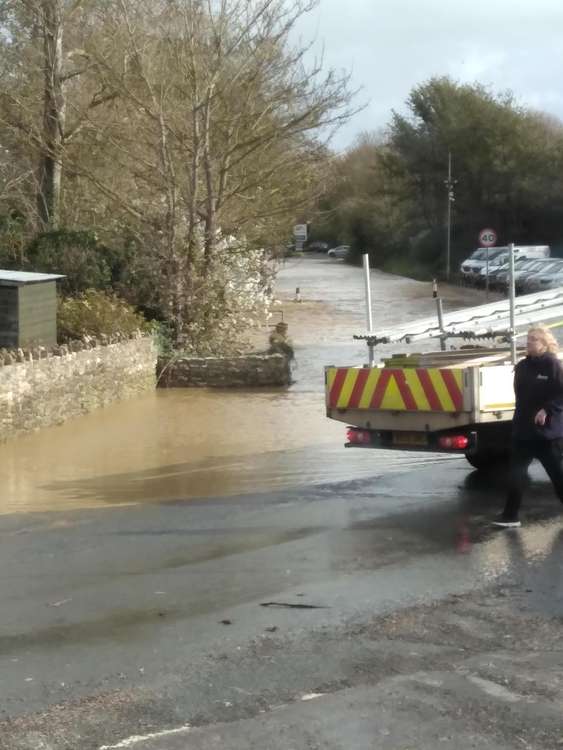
[471, 267]
[532, 251]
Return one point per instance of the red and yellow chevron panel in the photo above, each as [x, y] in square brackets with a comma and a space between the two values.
[395, 389]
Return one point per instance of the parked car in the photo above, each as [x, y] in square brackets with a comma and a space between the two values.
[522, 268]
[317, 246]
[491, 269]
[339, 252]
[472, 268]
[555, 281]
[522, 281]
[540, 280]
[499, 274]
[499, 268]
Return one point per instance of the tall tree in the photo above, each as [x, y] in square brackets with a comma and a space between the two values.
[217, 129]
[191, 132]
[48, 90]
[505, 159]
[391, 196]
[50, 18]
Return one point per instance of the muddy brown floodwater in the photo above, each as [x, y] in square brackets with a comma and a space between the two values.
[174, 444]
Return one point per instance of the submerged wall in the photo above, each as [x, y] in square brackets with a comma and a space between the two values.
[248, 371]
[40, 387]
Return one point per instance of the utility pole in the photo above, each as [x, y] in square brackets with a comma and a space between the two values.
[449, 183]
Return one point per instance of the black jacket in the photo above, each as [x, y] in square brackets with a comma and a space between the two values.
[538, 384]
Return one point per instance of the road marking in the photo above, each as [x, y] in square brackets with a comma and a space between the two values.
[137, 738]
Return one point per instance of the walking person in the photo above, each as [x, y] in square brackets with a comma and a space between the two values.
[537, 426]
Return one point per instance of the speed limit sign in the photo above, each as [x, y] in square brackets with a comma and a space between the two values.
[487, 238]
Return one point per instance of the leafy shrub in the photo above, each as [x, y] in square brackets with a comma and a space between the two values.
[163, 337]
[420, 257]
[225, 305]
[94, 313]
[76, 254]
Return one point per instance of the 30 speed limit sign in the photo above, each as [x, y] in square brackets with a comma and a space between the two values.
[487, 237]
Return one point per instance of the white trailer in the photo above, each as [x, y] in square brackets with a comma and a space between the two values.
[460, 400]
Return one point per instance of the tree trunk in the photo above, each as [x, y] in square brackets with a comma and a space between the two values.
[50, 167]
[210, 202]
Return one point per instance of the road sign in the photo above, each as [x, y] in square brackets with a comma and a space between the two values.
[300, 232]
[487, 238]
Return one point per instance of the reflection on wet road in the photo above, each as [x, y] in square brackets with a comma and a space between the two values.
[183, 444]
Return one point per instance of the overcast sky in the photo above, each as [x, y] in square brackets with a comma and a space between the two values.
[391, 45]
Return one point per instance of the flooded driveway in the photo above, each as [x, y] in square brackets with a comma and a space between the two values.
[190, 443]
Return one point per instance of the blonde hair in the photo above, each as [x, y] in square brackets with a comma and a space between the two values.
[548, 338]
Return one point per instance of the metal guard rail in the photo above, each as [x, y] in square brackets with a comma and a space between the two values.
[482, 321]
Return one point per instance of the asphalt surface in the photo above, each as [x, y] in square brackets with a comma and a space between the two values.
[132, 622]
[374, 610]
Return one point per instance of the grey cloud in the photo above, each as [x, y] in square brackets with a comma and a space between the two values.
[392, 45]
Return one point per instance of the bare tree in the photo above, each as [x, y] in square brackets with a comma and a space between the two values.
[219, 128]
[46, 91]
[195, 128]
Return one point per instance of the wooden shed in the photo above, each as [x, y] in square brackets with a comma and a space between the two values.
[28, 309]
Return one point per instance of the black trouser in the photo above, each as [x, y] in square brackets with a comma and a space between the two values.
[549, 453]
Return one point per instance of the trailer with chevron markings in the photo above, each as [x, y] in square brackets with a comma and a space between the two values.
[426, 404]
[457, 400]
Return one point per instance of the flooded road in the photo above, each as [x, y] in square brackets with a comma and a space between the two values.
[201, 558]
[190, 443]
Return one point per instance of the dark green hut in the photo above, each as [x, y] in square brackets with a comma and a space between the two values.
[28, 309]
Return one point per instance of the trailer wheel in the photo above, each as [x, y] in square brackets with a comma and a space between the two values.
[485, 461]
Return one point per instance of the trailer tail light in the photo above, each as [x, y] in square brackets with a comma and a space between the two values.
[453, 442]
[357, 436]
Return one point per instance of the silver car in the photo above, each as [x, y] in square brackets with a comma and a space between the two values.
[555, 281]
[522, 268]
[540, 280]
[498, 277]
[339, 252]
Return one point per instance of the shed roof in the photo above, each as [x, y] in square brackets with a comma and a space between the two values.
[20, 278]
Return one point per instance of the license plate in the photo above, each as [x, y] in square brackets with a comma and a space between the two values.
[409, 438]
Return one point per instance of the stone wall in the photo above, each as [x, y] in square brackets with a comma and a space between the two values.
[41, 387]
[247, 371]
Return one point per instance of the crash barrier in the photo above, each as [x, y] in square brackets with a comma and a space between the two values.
[42, 386]
[251, 370]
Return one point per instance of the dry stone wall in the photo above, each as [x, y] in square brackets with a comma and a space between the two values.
[41, 387]
[249, 371]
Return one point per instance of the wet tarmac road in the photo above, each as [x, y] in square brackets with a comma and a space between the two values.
[126, 616]
[140, 612]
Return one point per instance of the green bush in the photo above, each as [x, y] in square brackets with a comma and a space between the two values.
[76, 254]
[94, 313]
[163, 337]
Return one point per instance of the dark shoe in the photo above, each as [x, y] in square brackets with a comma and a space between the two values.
[504, 522]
